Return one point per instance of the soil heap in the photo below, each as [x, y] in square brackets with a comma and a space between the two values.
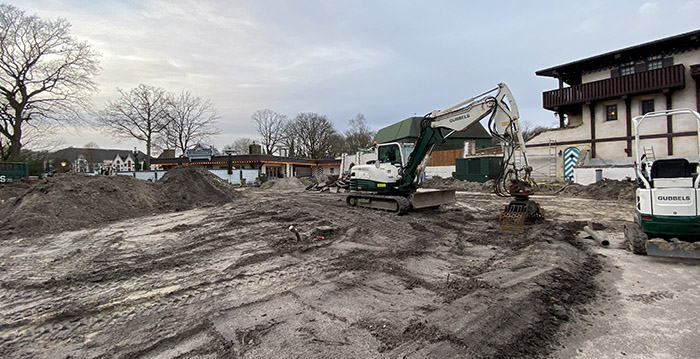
[284, 184]
[186, 187]
[606, 189]
[72, 201]
[453, 183]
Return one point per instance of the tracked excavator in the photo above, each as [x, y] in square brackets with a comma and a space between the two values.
[392, 182]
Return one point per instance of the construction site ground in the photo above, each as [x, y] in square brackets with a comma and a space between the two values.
[205, 279]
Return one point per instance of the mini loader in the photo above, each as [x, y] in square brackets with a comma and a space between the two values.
[667, 212]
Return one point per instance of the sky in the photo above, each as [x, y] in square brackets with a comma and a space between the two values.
[387, 60]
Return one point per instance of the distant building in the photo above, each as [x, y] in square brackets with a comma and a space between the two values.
[88, 160]
[599, 96]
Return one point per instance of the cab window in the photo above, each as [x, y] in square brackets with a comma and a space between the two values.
[389, 153]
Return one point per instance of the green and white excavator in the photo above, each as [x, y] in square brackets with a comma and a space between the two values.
[667, 211]
[392, 182]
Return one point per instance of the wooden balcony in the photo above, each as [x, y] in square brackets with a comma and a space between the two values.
[667, 78]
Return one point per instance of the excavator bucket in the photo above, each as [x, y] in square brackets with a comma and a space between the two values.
[432, 198]
[673, 248]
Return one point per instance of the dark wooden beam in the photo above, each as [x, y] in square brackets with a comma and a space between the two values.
[591, 108]
[628, 121]
[617, 139]
[669, 124]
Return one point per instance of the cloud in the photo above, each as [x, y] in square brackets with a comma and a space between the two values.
[588, 26]
[649, 8]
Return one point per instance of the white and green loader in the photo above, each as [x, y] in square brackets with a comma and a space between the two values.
[667, 212]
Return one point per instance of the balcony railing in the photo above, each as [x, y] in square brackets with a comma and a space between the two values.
[671, 78]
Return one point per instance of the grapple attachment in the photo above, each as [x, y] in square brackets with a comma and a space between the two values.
[519, 211]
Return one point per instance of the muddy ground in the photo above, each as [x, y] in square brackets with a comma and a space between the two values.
[233, 281]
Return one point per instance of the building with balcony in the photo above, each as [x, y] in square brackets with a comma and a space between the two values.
[598, 97]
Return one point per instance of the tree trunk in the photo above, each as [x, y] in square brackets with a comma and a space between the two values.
[16, 140]
[148, 154]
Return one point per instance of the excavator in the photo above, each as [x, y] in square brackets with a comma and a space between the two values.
[392, 182]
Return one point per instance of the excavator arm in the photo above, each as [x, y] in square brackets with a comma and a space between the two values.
[498, 103]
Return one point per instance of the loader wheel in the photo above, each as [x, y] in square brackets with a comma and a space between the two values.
[636, 239]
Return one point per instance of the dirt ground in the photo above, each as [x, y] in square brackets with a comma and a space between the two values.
[233, 280]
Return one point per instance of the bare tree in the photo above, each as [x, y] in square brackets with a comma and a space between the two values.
[240, 146]
[191, 120]
[289, 139]
[530, 130]
[141, 113]
[45, 74]
[314, 133]
[91, 153]
[358, 135]
[270, 127]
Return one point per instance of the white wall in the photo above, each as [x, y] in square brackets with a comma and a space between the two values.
[586, 176]
[440, 171]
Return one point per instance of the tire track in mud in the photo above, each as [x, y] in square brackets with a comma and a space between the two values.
[95, 314]
[158, 299]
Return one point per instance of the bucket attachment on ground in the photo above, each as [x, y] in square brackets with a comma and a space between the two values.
[432, 198]
[673, 248]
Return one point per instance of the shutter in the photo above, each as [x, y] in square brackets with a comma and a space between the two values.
[615, 73]
[667, 62]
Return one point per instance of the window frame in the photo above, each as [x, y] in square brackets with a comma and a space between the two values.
[611, 113]
[646, 110]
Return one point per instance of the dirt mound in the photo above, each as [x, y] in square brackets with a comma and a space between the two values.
[453, 183]
[70, 201]
[186, 187]
[284, 184]
[9, 192]
[605, 189]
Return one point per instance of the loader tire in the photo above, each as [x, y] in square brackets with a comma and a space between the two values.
[636, 238]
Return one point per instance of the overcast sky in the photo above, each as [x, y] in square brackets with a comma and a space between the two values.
[385, 59]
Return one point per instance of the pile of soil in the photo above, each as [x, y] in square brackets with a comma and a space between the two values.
[71, 201]
[186, 187]
[605, 189]
[437, 182]
[10, 191]
[284, 184]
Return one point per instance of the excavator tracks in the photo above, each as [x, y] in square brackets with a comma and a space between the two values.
[396, 204]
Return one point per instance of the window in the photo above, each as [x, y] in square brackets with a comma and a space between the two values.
[655, 62]
[611, 112]
[389, 153]
[647, 106]
[626, 70]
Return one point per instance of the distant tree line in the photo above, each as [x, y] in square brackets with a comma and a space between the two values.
[307, 135]
[46, 79]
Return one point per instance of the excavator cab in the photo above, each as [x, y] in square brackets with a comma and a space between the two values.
[390, 153]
